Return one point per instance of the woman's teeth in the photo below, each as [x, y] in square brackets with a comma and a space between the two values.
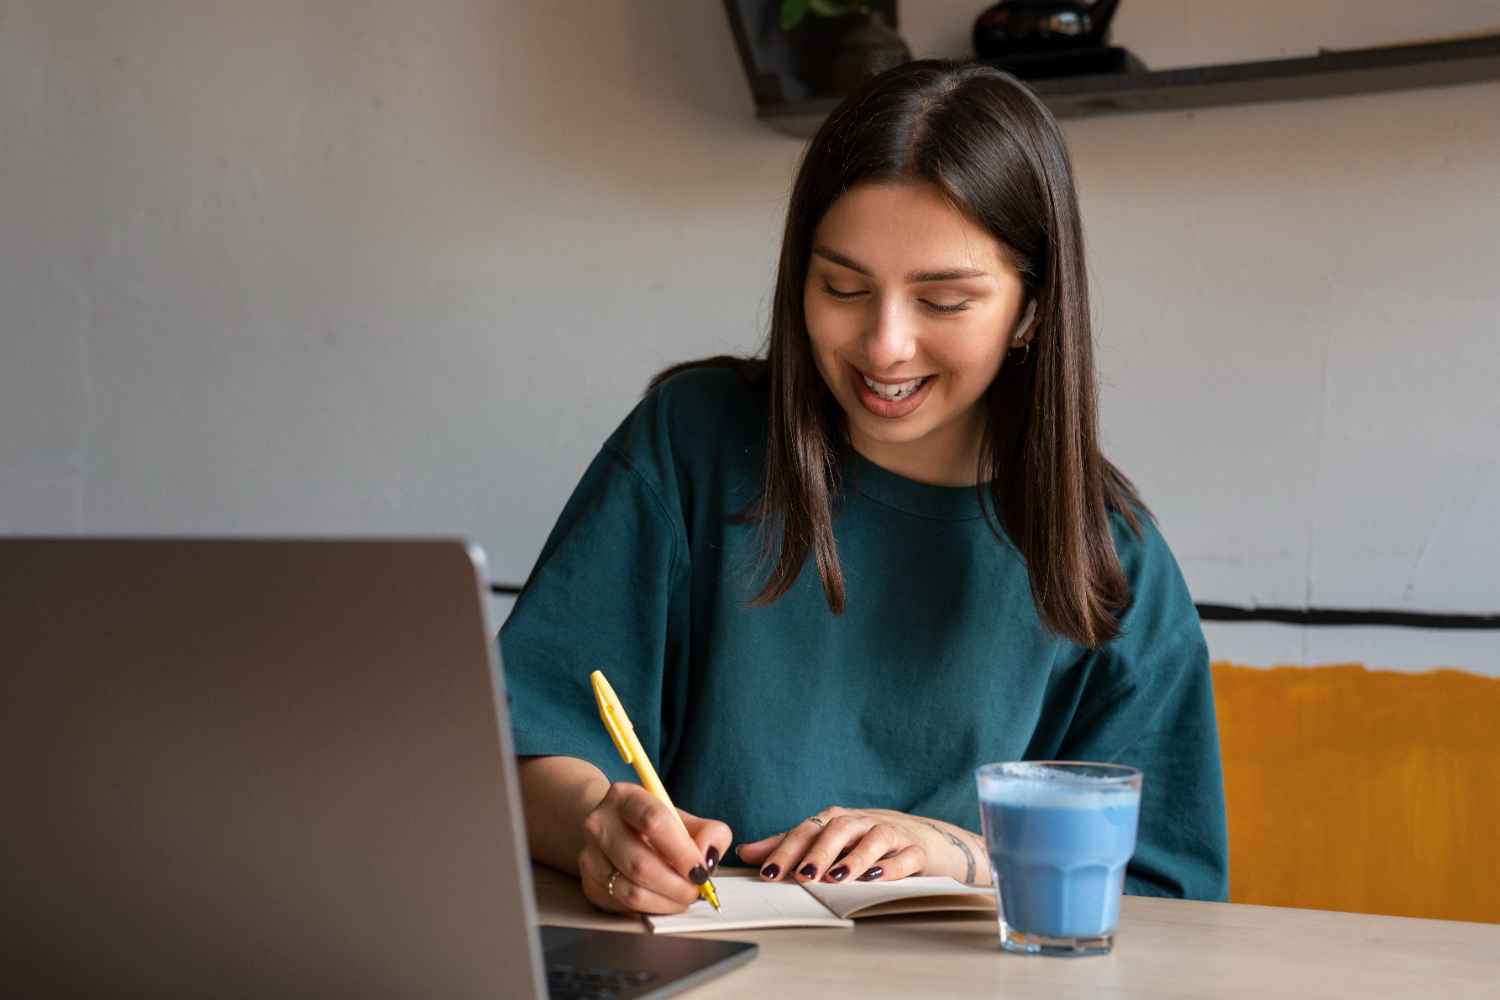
[892, 393]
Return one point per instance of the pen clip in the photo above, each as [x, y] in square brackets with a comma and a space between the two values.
[608, 706]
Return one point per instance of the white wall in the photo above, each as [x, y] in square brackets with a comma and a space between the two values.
[359, 267]
[391, 268]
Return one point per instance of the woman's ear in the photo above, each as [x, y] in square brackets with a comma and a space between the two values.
[1024, 329]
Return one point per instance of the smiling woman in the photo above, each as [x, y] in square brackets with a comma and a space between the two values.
[921, 434]
[905, 301]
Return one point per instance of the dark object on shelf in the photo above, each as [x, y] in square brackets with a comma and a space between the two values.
[867, 51]
[1070, 62]
[1439, 64]
[791, 67]
[1024, 27]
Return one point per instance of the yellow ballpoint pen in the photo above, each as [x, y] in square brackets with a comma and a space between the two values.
[629, 745]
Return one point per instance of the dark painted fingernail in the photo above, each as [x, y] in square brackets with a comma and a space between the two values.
[840, 873]
[808, 870]
[698, 875]
[770, 871]
[712, 857]
[872, 874]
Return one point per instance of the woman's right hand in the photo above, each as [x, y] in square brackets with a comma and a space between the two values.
[656, 867]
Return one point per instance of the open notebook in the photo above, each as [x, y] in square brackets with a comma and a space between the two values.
[748, 903]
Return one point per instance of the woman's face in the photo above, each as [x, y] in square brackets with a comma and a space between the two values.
[910, 306]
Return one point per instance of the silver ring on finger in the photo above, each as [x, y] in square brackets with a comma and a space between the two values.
[821, 824]
[609, 883]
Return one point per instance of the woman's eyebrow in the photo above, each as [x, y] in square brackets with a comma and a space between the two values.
[914, 278]
[953, 274]
[840, 260]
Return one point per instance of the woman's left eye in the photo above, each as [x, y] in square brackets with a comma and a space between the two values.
[958, 307]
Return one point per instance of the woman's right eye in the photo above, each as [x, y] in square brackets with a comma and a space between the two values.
[838, 294]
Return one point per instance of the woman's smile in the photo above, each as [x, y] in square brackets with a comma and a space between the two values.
[889, 397]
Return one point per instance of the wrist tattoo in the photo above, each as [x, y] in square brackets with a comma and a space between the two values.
[957, 842]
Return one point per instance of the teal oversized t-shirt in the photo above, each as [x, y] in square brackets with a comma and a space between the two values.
[762, 716]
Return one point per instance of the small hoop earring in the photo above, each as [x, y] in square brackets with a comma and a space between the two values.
[1025, 353]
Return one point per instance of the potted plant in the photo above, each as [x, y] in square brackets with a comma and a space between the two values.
[870, 48]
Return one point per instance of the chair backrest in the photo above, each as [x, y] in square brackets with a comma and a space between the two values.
[1363, 791]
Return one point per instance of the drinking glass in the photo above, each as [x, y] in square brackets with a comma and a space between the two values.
[1059, 835]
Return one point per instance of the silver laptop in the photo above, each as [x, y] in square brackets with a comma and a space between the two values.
[273, 769]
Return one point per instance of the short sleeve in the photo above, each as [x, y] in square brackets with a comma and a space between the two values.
[607, 593]
[1146, 700]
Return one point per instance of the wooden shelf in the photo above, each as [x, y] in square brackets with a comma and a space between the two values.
[1437, 64]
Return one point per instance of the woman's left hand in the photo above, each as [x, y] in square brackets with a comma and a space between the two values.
[866, 845]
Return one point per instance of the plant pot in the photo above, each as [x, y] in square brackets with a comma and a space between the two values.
[868, 50]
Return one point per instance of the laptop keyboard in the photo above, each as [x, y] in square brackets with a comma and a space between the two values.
[569, 982]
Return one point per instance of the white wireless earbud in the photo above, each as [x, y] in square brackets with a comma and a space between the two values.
[1025, 320]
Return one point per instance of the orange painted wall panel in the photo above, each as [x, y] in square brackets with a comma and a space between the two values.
[1364, 791]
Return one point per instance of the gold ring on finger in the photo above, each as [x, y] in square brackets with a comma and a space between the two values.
[821, 824]
[609, 883]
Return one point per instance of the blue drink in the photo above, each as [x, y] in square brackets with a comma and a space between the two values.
[1059, 836]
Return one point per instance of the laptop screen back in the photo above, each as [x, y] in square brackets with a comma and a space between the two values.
[253, 769]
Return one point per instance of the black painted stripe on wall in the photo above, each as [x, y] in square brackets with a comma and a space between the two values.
[1288, 616]
[1340, 616]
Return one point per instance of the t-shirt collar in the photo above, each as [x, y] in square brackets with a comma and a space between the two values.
[946, 503]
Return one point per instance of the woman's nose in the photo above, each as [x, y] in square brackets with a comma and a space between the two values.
[892, 339]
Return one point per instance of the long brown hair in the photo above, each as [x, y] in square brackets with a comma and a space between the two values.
[995, 151]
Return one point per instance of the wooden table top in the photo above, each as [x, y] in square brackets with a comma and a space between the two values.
[1165, 948]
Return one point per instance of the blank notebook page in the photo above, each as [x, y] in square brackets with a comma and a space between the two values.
[749, 902]
[918, 894]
